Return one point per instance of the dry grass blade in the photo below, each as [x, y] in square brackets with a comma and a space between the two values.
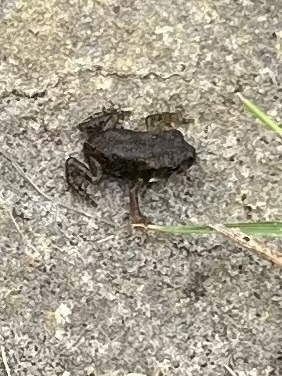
[229, 370]
[5, 362]
[36, 253]
[23, 174]
[250, 243]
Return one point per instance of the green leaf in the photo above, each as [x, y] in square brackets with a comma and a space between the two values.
[256, 229]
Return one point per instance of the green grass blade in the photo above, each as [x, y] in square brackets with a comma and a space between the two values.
[257, 229]
[261, 115]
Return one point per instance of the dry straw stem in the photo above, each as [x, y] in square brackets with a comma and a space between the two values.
[250, 243]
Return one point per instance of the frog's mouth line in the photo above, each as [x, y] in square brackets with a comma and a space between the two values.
[188, 163]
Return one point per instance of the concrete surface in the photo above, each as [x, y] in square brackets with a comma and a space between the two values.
[98, 294]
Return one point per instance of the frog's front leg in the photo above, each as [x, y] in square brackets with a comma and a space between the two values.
[164, 120]
[136, 217]
[79, 176]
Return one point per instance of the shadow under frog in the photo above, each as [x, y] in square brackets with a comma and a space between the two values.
[135, 156]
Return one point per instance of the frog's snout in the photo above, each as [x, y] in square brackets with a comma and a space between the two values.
[191, 157]
[188, 161]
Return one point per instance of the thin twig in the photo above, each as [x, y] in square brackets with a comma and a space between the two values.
[5, 362]
[249, 242]
[48, 198]
[26, 241]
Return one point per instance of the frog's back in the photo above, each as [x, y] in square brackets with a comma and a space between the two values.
[134, 154]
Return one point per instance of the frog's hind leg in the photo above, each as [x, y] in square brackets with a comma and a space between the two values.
[102, 121]
[95, 168]
[161, 121]
[79, 177]
[99, 122]
[136, 217]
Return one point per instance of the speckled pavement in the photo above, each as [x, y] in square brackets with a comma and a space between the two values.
[90, 293]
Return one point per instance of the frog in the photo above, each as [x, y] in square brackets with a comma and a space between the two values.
[136, 156]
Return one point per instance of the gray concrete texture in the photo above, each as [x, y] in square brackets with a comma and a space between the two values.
[99, 294]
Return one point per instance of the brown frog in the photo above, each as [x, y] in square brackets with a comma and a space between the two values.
[132, 155]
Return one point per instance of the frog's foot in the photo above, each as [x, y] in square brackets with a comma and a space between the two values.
[139, 220]
[79, 177]
[164, 120]
[102, 121]
[135, 215]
